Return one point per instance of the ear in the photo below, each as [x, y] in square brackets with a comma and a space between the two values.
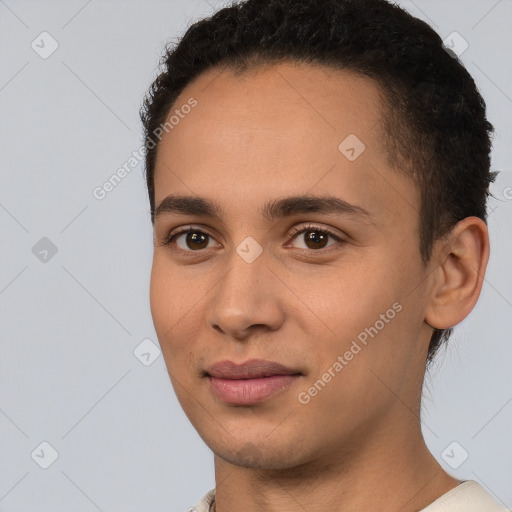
[461, 259]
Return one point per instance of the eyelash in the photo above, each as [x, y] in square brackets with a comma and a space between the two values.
[293, 234]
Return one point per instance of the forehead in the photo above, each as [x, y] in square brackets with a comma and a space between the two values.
[280, 130]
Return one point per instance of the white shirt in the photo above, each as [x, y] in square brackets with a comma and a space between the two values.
[468, 496]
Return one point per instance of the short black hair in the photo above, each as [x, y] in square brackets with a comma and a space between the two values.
[435, 128]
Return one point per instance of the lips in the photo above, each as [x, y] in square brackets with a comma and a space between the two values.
[253, 369]
[250, 383]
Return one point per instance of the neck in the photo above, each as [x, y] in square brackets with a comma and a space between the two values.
[395, 471]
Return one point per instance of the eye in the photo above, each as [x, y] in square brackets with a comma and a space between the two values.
[190, 240]
[314, 237]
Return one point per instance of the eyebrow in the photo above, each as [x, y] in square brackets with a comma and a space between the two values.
[277, 208]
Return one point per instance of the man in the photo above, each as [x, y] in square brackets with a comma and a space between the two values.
[317, 174]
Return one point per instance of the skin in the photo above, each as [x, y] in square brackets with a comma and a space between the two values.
[270, 133]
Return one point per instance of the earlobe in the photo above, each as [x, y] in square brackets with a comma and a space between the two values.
[462, 260]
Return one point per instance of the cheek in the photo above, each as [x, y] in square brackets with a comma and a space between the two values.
[171, 307]
[348, 301]
[362, 317]
[160, 298]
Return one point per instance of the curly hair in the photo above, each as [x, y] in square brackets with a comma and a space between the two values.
[434, 128]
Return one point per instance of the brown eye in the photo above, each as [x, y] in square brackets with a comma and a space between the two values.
[191, 240]
[195, 240]
[315, 239]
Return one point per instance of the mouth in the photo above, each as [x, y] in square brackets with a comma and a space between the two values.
[251, 382]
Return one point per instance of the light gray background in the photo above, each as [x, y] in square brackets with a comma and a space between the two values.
[68, 373]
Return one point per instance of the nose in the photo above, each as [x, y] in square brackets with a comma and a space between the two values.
[246, 299]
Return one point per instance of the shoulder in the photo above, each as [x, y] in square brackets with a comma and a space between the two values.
[469, 496]
[204, 503]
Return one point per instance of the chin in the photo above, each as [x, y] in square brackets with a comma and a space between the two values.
[253, 456]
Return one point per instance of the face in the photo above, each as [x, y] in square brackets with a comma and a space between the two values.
[332, 290]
